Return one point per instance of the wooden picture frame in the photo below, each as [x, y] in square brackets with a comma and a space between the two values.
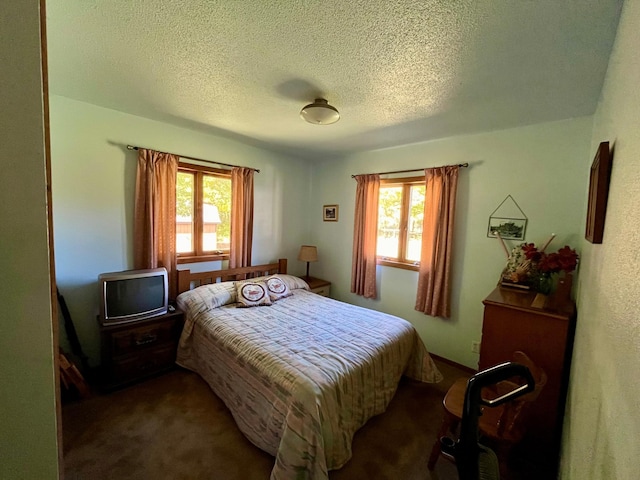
[598, 193]
[330, 213]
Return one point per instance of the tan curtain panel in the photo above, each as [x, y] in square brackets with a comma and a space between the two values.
[434, 280]
[155, 213]
[365, 235]
[241, 217]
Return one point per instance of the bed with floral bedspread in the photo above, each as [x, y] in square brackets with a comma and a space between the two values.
[301, 375]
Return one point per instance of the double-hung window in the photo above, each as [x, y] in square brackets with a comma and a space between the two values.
[400, 215]
[203, 213]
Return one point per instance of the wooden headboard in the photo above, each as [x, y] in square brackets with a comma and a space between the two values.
[188, 280]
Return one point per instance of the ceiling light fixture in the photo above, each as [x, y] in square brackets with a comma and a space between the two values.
[320, 112]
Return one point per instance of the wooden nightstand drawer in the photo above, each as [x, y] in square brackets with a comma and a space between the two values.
[324, 291]
[319, 286]
[134, 339]
[133, 351]
[145, 363]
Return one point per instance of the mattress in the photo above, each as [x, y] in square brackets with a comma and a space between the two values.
[302, 375]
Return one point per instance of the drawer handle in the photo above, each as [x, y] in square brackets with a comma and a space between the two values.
[146, 339]
[147, 366]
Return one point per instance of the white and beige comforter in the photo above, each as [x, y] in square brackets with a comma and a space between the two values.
[300, 376]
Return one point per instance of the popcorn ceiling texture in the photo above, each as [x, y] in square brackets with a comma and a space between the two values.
[399, 71]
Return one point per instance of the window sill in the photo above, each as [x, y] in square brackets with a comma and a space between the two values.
[396, 264]
[202, 258]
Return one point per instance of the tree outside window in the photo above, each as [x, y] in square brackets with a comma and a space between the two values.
[203, 214]
[400, 217]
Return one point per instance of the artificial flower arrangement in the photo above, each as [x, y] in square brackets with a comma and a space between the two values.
[564, 260]
[530, 267]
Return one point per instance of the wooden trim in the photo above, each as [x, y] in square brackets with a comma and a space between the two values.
[52, 266]
[214, 257]
[397, 264]
[198, 214]
[469, 370]
[190, 167]
[401, 180]
[199, 254]
[186, 278]
[404, 222]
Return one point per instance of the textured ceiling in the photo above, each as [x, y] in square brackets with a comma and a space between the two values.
[399, 71]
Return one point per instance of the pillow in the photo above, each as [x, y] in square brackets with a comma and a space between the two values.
[252, 294]
[293, 282]
[206, 297]
[277, 288]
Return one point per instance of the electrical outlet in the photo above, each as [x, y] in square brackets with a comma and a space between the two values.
[475, 347]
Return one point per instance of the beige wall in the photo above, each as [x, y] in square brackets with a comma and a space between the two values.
[28, 432]
[602, 424]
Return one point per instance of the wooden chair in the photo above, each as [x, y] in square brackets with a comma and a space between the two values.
[503, 424]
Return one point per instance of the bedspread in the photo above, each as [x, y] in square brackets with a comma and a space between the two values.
[301, 376]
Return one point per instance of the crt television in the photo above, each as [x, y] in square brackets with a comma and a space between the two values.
[133, 295]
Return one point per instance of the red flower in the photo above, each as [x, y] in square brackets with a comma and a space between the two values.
[531, 252]
[565, 259]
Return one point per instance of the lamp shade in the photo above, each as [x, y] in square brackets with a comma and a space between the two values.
[320, 112]
[308, 253]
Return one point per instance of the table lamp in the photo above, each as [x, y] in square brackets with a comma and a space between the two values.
[308, 253]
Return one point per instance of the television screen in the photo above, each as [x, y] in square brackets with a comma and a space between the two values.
[133, 295]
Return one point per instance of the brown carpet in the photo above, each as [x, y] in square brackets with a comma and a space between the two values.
[174, 427]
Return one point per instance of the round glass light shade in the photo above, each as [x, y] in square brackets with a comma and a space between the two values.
[320, 113]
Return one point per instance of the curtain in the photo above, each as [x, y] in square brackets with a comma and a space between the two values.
[241, 217]
[155, 213]
[434, 280]
[365, 235]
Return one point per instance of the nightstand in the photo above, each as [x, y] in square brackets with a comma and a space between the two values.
[319, 286]
[136, 350]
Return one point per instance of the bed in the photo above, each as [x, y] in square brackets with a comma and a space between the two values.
[300, 373]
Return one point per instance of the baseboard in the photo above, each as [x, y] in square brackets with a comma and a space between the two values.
[469, 370]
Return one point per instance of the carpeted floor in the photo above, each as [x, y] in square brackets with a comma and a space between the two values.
[174, 427]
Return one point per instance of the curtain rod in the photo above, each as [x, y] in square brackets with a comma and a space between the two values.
[131, 147]
[461, 165]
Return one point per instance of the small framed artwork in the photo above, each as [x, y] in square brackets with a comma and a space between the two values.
[330, 213]
[508, 228]
[598, 193]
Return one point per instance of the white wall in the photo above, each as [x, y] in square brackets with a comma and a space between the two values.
[28, 430]
[93, 194]
[602, 424]
[541, 166]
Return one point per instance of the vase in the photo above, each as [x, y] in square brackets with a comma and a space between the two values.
[543, 284]
[563, 291]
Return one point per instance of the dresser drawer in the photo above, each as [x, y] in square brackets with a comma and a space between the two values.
[133, 367]
[138, 338]
[133, 351]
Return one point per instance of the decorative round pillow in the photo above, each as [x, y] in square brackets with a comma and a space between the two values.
[252, 294]
[277, 288]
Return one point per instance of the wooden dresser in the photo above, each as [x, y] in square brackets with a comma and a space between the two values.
[136, 350]
[515, 320]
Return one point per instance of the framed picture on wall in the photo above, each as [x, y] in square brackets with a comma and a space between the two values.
[330, 213]
[598, 193]
[508, 228]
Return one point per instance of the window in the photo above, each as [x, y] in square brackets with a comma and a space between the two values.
[203, 213]
[400, 214]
